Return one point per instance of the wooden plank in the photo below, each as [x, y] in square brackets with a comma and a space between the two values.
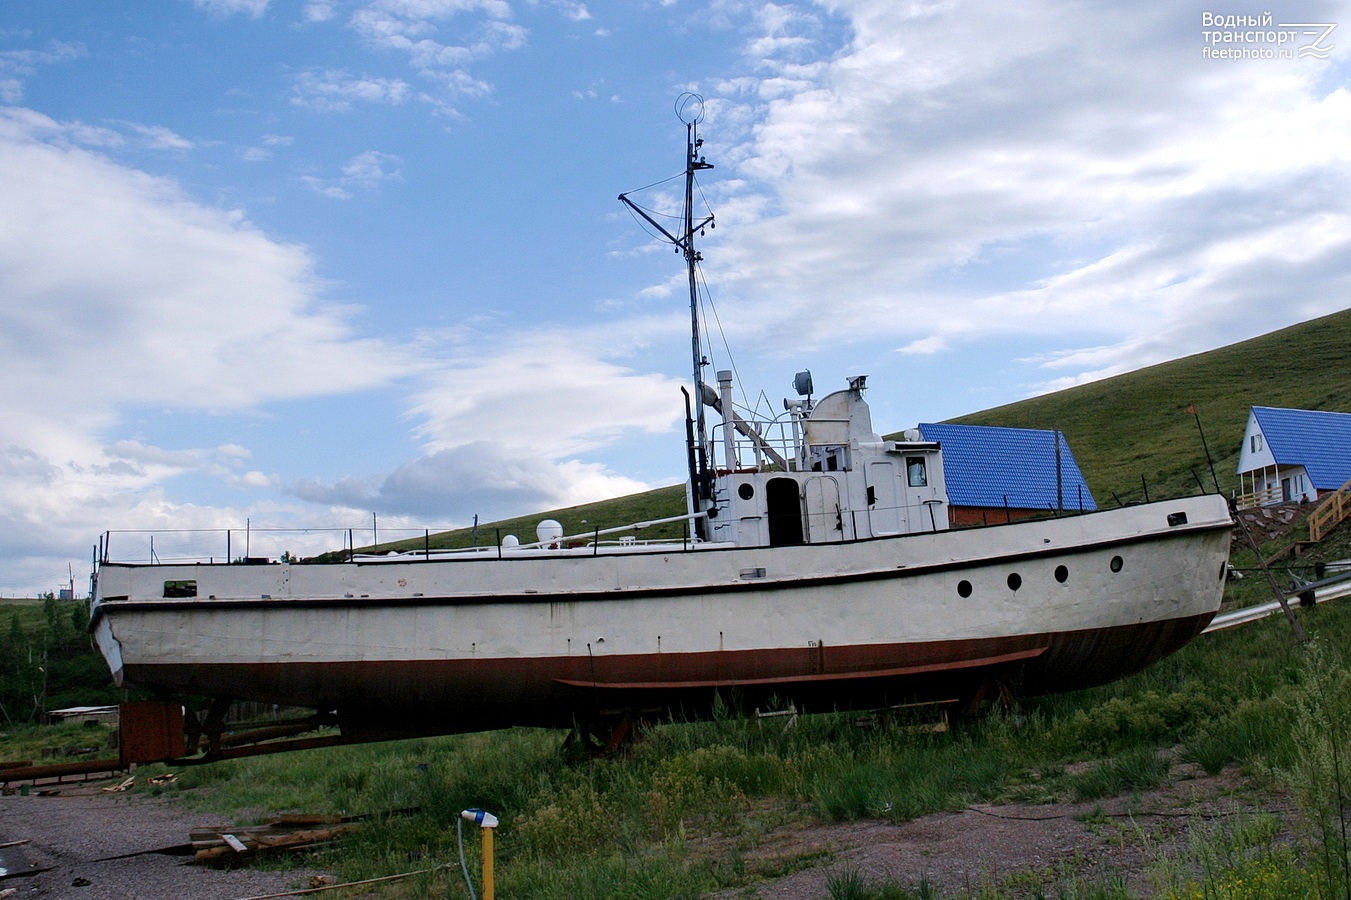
[225, 843]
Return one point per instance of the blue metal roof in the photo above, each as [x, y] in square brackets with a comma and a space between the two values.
[989, 467]
[1318, 441]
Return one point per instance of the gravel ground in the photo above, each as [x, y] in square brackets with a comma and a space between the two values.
[101, 846]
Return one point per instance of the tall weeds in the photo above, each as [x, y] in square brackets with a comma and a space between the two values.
[1320, 778]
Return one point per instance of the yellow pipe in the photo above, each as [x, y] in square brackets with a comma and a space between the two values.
[486, 822]
[487, 863]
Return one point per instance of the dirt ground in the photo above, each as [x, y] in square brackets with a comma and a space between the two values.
[1017, 850]
[101, 846]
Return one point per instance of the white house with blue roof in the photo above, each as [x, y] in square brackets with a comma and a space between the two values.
[997, 474]
[1293, 454]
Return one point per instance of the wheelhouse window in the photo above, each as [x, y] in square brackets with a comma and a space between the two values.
[917, 475]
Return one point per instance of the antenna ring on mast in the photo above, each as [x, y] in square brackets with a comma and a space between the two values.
[689, 108]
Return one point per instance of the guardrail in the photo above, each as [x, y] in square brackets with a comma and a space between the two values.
[236, 546]
[221, 545]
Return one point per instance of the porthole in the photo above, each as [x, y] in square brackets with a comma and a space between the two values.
[964, 588]
[1062, 574]
[746, 490]
[1015, 581]
[1117, 563]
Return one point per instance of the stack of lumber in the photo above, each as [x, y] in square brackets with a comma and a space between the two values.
[230, 843]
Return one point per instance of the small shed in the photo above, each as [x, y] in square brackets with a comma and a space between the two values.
[1293, 455]
[106, 715]
[999, 474]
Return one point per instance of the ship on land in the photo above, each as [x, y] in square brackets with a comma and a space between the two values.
[816, 569]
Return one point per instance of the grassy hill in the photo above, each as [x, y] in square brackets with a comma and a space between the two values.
[1136, 424]
[1122, 429]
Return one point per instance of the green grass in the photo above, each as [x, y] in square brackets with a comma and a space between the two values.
[44, 744]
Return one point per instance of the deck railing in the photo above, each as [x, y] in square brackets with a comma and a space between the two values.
[1330, 512]
[225, 546]
[1259, 497]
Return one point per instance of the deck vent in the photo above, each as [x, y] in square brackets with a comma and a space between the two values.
[1177, 518]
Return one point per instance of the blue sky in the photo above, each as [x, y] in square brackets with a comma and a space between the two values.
[292, 264]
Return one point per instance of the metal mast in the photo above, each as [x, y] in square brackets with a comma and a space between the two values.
[690, 109]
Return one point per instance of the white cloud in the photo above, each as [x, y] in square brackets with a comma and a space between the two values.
[957, 172]
[15, 65]
[366, 171]
[552, 394]
[576, 12]
[124, 263]
[925, 346]
[254, 9]
[485, 478]
[505, 418]
[157, 137]
[318, 11]
[120, 293]
[371, 168]
[256, 480]
[334, 90]
[442, 38]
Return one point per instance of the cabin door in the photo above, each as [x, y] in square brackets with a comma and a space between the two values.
[785, 512]
[823, 510]
[885, 514]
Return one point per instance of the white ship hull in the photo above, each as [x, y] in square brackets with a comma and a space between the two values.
[541, 637]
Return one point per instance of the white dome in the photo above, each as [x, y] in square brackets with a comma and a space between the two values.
[548, 531]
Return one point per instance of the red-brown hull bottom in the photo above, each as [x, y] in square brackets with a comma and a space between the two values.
[446, 696]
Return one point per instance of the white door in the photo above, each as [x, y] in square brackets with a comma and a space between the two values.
[823, 510]
[884, 504]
